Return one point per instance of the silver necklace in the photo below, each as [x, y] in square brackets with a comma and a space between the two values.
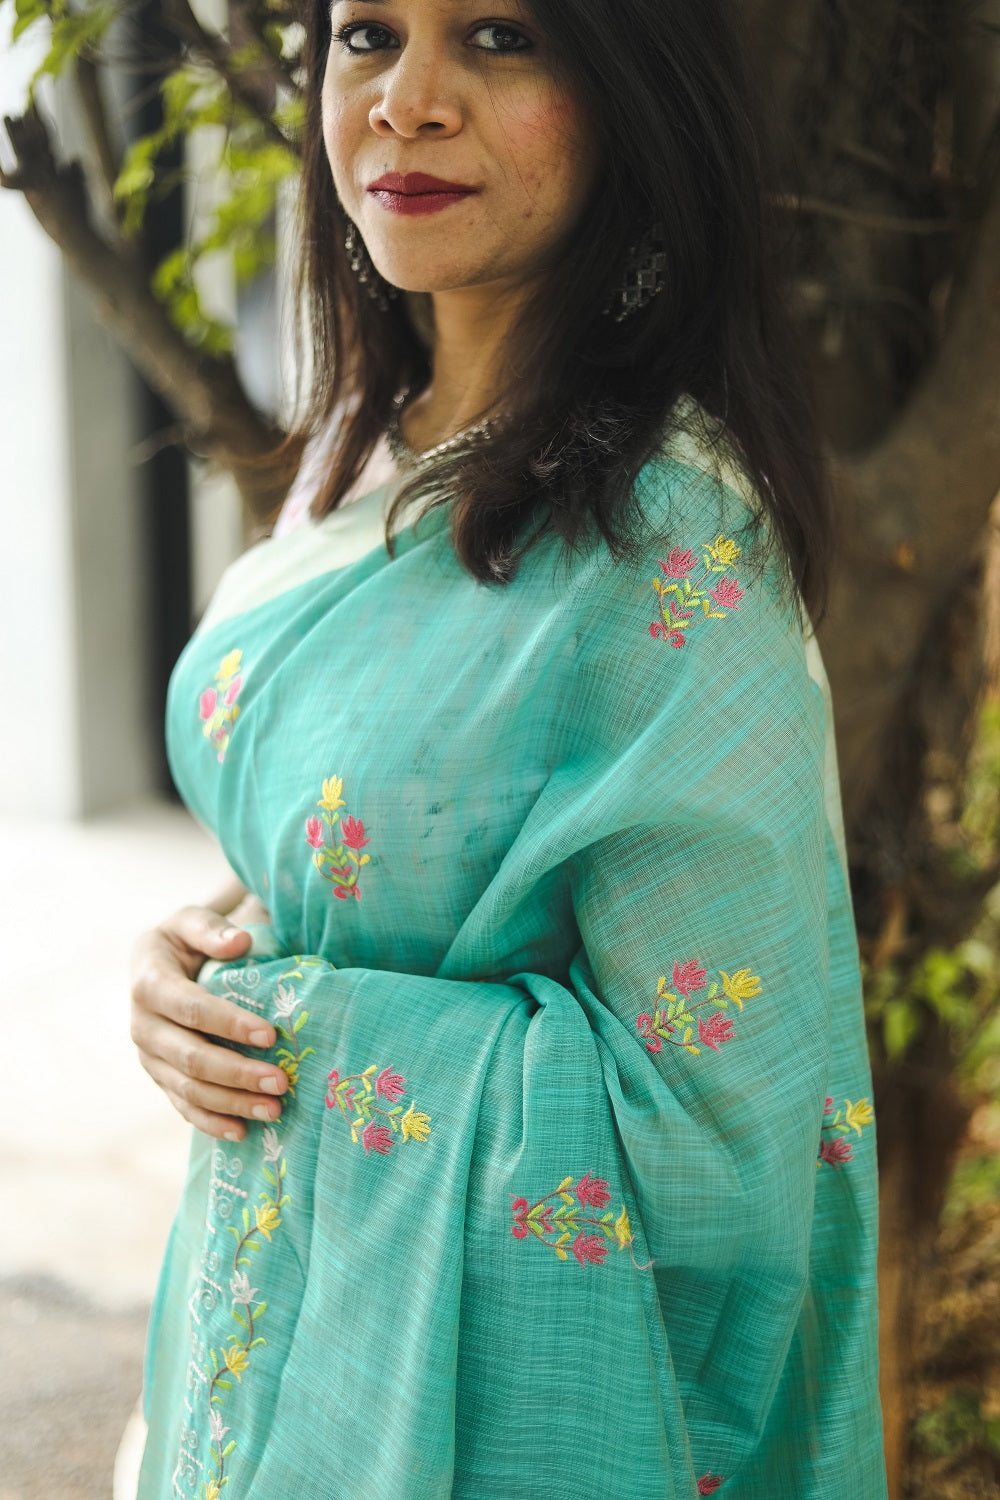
[405, 457]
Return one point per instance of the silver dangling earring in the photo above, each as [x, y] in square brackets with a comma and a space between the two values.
[378, 289]
[644, 276]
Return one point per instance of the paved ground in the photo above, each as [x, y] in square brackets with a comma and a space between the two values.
[91, 1156]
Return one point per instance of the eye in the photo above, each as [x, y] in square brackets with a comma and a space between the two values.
[500, 38]
[364, 36]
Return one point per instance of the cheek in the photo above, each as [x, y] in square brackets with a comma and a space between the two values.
[338, 134]
[550, 146]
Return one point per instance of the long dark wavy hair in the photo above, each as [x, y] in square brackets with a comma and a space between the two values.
[588, 400]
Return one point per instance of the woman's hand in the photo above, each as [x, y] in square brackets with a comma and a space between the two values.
[174, 1021]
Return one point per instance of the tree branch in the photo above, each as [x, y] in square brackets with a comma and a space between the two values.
[915, 506]
[216, 51]
[95, 118]
[864, 219]
[249, 17]
[205, 392]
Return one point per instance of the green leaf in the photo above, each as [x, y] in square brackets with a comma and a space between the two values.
[72, 34]
[230, 1446]
[301, 1021]
[225, 1385]
[27, 13]
[269, 1176]
[240, 1319]
[246, 1220]
[901, 1024]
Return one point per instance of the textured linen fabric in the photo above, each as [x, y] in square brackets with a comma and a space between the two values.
[574, 1193]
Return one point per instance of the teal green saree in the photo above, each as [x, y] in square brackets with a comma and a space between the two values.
[574, 1191]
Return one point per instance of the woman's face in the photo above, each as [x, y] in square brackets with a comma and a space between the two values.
[455, 146]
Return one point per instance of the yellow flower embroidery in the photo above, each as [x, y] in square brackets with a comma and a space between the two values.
[415, 1127]
[236, 1358]
[858, 1115]
[724, 550]
[623, 1229]
[267, 1220]
[230, 665]
[211, 1490]
[740, 986]
[290, 1066]
[332, 788]
[217, 706]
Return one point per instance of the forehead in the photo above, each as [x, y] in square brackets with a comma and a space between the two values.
[443, 9]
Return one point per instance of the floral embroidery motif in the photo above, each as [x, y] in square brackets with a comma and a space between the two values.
[337, 851]
[673, 1019]
[709, 1483]
[678, 613]
[835, 1150]
[374, 1135]
[557, 1225]
[217, 706]
[288, 1025]
[232, 1360]
[214, 1365]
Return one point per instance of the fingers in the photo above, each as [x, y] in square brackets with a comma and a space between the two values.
[202, 1061]
[161, 987]
[174, 1021]
[216, 1110]
[204, 932]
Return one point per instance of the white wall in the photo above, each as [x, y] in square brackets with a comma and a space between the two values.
[39, 762]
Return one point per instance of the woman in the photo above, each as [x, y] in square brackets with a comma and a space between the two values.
[571, 1186]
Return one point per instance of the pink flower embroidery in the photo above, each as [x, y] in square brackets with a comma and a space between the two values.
[688, 977]
[660, 632]
[589, 1249]
[217, 706]
[678, 564]
[645, 1027]
[716, 1030]
[519, 1228]
[709, 1483]
[687, 600]
[836, 1152]
[367, 1102]
[352, 833]
[376, 1137]
[336, 842]
[682, 1021]
[556, 1217]
[727, 593]
[592, 1191]
[828, 1106]
[390, 1085]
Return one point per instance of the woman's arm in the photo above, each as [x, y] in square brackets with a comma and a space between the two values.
[174, 1019]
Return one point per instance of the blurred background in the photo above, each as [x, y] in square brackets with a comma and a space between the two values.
[147, 172]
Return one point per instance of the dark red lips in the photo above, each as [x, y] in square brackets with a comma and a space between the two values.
[417, 192]
[416, 182]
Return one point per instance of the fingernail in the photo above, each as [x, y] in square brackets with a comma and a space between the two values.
[260, 1039]
[264, 1112]
[230, 1135]
[270, 1085]
[229, 932]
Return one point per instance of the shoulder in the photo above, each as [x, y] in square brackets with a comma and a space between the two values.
[702, 611]
[699, 534]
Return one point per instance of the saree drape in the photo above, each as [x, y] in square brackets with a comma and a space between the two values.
[574, 1190]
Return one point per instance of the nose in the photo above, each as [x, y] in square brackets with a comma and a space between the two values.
[420, 96]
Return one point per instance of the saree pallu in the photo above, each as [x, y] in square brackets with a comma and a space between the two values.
[573, 1193]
